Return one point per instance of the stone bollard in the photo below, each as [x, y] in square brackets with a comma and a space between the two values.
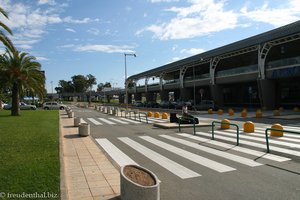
[277, 133]
[248, 127]
[77, 121]
[220, 112]
[225, 126]
[71, 114]
[258, 114]
[244, 113]
[230, 112]
[84, 129]
[210, 111]
[139, 183]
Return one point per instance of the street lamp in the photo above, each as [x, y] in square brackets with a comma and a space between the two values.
[126, 92]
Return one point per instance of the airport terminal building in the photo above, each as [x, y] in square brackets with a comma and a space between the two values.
[260, 71]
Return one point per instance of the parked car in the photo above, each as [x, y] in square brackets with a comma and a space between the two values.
[167, 104]
[138, 104]
[152, 104]
[206, 104]
[23, 106]
[53, 106]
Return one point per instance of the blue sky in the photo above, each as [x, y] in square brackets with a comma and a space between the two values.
[74, 37]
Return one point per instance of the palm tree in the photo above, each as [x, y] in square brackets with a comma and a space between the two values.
[3, 38]
[22, 73]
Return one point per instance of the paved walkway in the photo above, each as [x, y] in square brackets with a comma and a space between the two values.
[86, 173]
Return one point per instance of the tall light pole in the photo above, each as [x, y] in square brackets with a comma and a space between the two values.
[51, 87]
[126, 92]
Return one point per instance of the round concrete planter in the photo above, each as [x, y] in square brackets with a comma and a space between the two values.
[77, 121]
[139, 183]
[84, 129]
[71, 114]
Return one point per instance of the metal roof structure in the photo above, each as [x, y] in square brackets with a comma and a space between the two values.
[251, 43]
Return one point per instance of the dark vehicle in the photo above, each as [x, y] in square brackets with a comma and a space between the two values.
[205, 105]
[166, 104]
[179, 105]
[152, 104]
[138, 104]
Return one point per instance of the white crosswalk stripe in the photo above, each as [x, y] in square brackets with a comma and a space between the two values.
[107, 121]
[259, 154]
[130, 120]
[163, 161]
[94, 121]
[119, 121]
[229, 156]
[116, 154]
[190, 156]
[285, 134]
[224, 136]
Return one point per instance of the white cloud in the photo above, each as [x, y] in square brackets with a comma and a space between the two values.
[41, 58]
[200, 18]
[70, 30]
[286, 14]
[94, 31]
[101, 48]
[159, 1]
[49, 2]
[79, 21]
[192, 51]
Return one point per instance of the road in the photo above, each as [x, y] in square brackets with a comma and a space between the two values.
[196, 167]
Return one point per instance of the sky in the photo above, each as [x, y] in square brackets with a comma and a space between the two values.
[72, 37]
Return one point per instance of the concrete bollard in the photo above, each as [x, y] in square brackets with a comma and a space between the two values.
[139, 183]
[230, 112]
[77, 121]
[84, 129]
[244, 113]
[277, 133]
[276, 113]
[258, 114]
[71, 114]
[150, 114]
[210, 111]
[225, 126]
[248, 127]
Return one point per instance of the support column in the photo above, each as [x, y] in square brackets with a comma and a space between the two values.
[129, 98]
[150, 96]
[121, 98]
[217, 94]
[267, 93]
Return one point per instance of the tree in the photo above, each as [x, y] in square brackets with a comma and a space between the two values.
[80, 83]
[100, 87]
[90, 81]
[3, 38]
[22, 73]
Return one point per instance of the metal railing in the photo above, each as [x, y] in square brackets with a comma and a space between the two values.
[179, 122]
[237, 130]
[146, 116]
[272, 129]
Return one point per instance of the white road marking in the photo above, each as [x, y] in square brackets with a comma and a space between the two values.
[236, 148]
[119, 121]
[115, 153]
[190, 156]
[226, 155]
[166, 163]
[94, 121]
[129, 120]
[106, 121]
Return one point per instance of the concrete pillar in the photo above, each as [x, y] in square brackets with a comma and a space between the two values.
[267, 93]
[121, 98]
[186, 94]
[129, 98]
[164, 95]
[150, 96]
[217, 94]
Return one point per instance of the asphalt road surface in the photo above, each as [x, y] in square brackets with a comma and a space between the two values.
[196, 167]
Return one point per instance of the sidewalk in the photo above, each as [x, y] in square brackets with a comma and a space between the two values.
[86, 173]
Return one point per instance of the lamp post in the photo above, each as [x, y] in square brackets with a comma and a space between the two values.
[126, 92]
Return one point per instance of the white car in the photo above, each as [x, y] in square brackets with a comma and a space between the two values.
[23, 106]
[53, 106]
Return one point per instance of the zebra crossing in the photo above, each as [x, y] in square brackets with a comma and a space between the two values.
[121, 121]
[251, 152]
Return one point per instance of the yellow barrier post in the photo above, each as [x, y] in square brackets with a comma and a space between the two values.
[244, 113]
[225, 126]
[150, 114]
[258, 114]
[156, 114]
[248, 127]
[164, 116]
[277, 133]
[220, 112]
[230, 112]
[210, 111]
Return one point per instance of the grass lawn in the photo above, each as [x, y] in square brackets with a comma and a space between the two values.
[29, 152]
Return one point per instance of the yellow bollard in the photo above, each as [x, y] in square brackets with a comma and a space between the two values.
[244, 113]
[230, 112]
[225, 126]
[258, 114]
[156, 114]
[150, 114]
[164, 116]
[277, 133]
[296, 109]
[276, 113]
[210, 111]
[248, 127]
[220, 112]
